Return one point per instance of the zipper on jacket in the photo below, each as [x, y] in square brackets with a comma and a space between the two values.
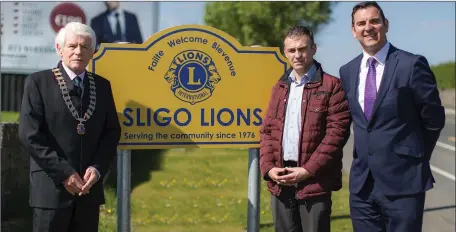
[278, 106]
[281, 137]
[301, 137]
[283, 125]
[277, 109]
[285, 100]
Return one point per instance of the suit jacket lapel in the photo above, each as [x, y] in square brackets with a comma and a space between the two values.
[65, 76]
[354, 82]
[107, 28]
[85, 96]
[388, 73]
[127, 21]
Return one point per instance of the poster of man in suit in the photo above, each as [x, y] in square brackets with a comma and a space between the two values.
[116, 25]
[39, 22]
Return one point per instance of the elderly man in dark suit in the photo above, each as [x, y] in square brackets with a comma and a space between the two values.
[397, 117]
[69, 126]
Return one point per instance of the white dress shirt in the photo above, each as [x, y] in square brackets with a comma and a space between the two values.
[380, 56]
[292, 128]
[113, 21]
[71, 74]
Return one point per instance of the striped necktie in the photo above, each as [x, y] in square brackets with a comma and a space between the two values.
[78, 85]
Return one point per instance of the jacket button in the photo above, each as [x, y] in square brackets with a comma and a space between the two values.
[317, 109]
[304, 100]
[369, 129]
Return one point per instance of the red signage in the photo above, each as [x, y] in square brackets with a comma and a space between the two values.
[65, 13]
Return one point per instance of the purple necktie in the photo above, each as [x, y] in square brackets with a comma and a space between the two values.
[370, 91]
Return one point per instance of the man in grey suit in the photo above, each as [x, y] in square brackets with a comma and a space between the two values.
[69, 126]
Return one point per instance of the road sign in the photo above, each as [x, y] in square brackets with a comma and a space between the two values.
[189, 86]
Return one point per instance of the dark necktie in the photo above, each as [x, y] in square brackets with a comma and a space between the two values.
[118, 30]
[78, 85]
[370, 91]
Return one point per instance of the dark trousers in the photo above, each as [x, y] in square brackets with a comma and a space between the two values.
[372, 211]
[292, 215]
[76, 218]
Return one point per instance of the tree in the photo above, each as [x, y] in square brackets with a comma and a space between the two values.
[265, 23]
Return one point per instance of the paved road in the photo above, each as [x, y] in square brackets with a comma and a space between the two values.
[440, 204]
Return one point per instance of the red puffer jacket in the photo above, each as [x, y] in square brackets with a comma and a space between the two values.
[325, 130]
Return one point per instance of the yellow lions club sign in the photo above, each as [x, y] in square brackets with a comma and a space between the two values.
[189, 86]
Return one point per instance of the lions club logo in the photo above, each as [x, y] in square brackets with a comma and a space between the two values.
[192, 76]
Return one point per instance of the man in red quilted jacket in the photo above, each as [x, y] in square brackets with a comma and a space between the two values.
[306, 125]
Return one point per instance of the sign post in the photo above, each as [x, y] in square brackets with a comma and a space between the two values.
[253, 210]
[189, 86]
[123, 190]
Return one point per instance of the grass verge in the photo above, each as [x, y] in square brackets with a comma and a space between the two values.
[6, 116]
[444, 74]
[201, 190]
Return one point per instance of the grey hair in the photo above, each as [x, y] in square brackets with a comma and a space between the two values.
[77, 29]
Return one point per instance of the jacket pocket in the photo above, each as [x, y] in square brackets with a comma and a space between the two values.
[35, 169]
[318, 109]
[406, 150]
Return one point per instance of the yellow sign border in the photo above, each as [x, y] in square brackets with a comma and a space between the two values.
[157, 37]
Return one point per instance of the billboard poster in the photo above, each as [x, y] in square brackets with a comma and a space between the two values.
[28, 29]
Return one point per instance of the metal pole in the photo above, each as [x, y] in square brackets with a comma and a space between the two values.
[119, 187]
[123, 190]
[1, 142]
[253, 210]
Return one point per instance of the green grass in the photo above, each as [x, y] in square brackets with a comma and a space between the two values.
[202, 190]
[445, 75]
[6, 116]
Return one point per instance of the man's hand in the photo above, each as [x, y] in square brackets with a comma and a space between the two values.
[275, 172]
[74, 184]
[293, 176]
[90, 178]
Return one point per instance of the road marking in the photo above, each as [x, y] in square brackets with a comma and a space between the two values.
[450, 111]
[443, 173]
[453, 139]
[446, 146]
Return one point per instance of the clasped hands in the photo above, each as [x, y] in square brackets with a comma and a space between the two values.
[292, 175]
[76, 185]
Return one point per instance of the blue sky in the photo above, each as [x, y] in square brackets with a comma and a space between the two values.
[425, 28]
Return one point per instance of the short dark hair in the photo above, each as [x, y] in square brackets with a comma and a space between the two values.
[364, 5]
[298, 31]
